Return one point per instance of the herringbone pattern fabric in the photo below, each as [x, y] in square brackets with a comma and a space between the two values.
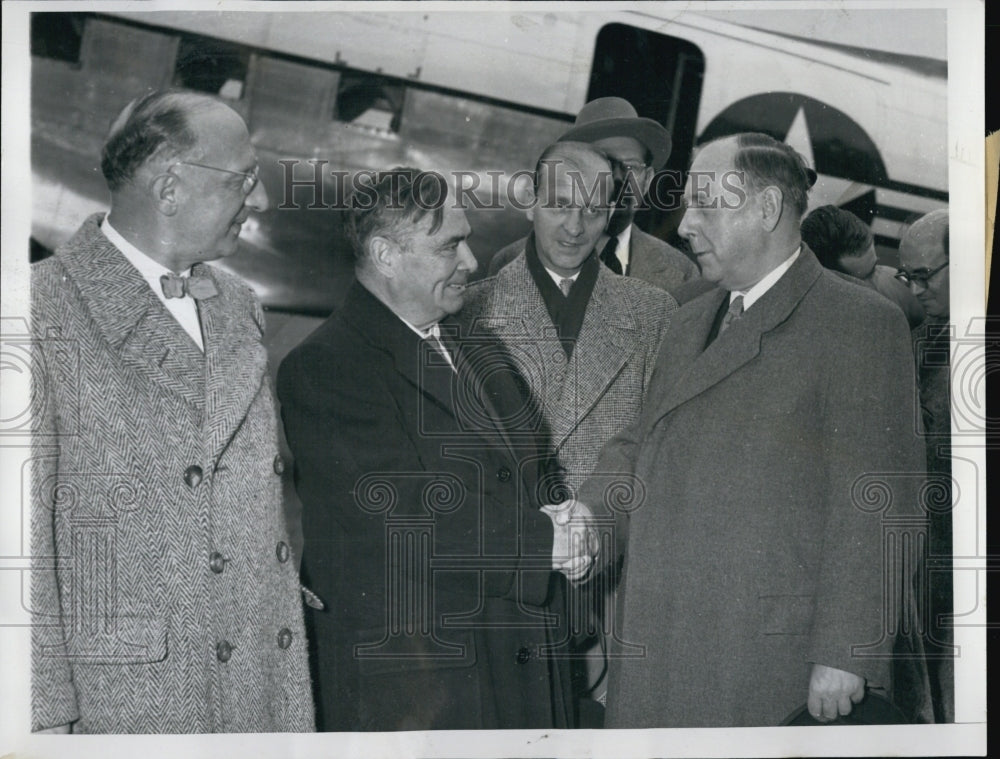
[598, 391]
[150, 456]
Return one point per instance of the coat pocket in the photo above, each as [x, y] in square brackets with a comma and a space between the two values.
[120, 639]
[784, 614]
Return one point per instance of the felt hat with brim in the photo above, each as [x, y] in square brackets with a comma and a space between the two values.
[615, 117]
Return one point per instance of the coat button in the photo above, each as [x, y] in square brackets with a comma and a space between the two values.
[192, 476]
[223, 651]
[503, 474]
[284, 638]
[523, 655]
[217, 562]
[282, 551]
[279, 464]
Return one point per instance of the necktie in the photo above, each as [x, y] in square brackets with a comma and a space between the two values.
[175, 286]
[433, 336]
[734, 312]
[565, 285]
[608, 255]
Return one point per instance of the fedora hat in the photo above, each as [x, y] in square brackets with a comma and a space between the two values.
[615, 117]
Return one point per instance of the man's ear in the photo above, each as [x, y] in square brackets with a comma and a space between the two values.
[523, 191]
[771, 204]
[163, 189]
[384, 254]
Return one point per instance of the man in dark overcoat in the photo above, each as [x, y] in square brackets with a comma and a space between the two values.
[164, 593]
[756, 574]
[419, 466]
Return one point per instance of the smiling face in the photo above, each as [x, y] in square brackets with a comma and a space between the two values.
[571, 208]
[722, 220]
[211, 204]
[430, 270]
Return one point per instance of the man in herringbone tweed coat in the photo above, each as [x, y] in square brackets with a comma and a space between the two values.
[587, 353]
[164, 595]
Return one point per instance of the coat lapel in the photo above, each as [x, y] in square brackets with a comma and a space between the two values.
[691, 369]
[414, 358]
[515, 313]
[131, 318]
[642, 263]
[235, 357]
[606, 342]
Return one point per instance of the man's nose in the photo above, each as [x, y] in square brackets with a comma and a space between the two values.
[916, 287]
[467, 259]
[684, 228]
[257, 199]
[573, 223]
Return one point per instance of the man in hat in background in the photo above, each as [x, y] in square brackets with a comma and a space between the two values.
[637, 148]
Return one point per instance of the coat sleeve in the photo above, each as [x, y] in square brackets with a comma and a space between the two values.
[355, 453]
[54, 701]
[874, 468]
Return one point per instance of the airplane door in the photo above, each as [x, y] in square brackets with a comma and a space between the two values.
[662, 77]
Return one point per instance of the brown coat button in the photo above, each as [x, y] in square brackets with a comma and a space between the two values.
[217, 562]
[503, 474]
[523, 655]
[192, 476]
[279, 464]
[223, 651]
[281, 550]
[284, 638]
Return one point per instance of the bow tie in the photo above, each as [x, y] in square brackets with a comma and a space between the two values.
[175, 286]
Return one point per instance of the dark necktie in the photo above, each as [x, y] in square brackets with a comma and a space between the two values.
[176, 286]
[608, 256]
[734, 312]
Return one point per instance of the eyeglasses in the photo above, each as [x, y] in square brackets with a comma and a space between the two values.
[920, 277]
[635, 168]
[250, 178]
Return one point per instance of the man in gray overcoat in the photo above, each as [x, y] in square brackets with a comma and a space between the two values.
[774, 449]
[164, 595]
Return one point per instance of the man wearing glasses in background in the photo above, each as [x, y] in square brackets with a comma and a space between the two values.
[923, 266]
[164, 595]
[637, 148]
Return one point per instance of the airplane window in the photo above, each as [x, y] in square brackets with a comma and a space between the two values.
[212, 66]
[369, 102]
[57, 36]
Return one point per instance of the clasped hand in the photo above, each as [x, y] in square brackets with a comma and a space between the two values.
[575, 543]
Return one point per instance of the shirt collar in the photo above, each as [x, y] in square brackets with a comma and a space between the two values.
[754, 294]
[150, 270]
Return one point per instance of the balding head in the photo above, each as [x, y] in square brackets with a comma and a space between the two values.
[923, 260]
[573, 201]
[156, 127]
[183, 177]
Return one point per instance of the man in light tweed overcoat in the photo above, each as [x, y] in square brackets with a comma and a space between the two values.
[584, 338]
[164, 595]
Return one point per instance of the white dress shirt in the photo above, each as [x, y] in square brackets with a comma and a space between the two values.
[752, 295]
[184, 309]
[432, 334]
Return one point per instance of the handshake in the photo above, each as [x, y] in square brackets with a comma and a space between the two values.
[576, 542]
